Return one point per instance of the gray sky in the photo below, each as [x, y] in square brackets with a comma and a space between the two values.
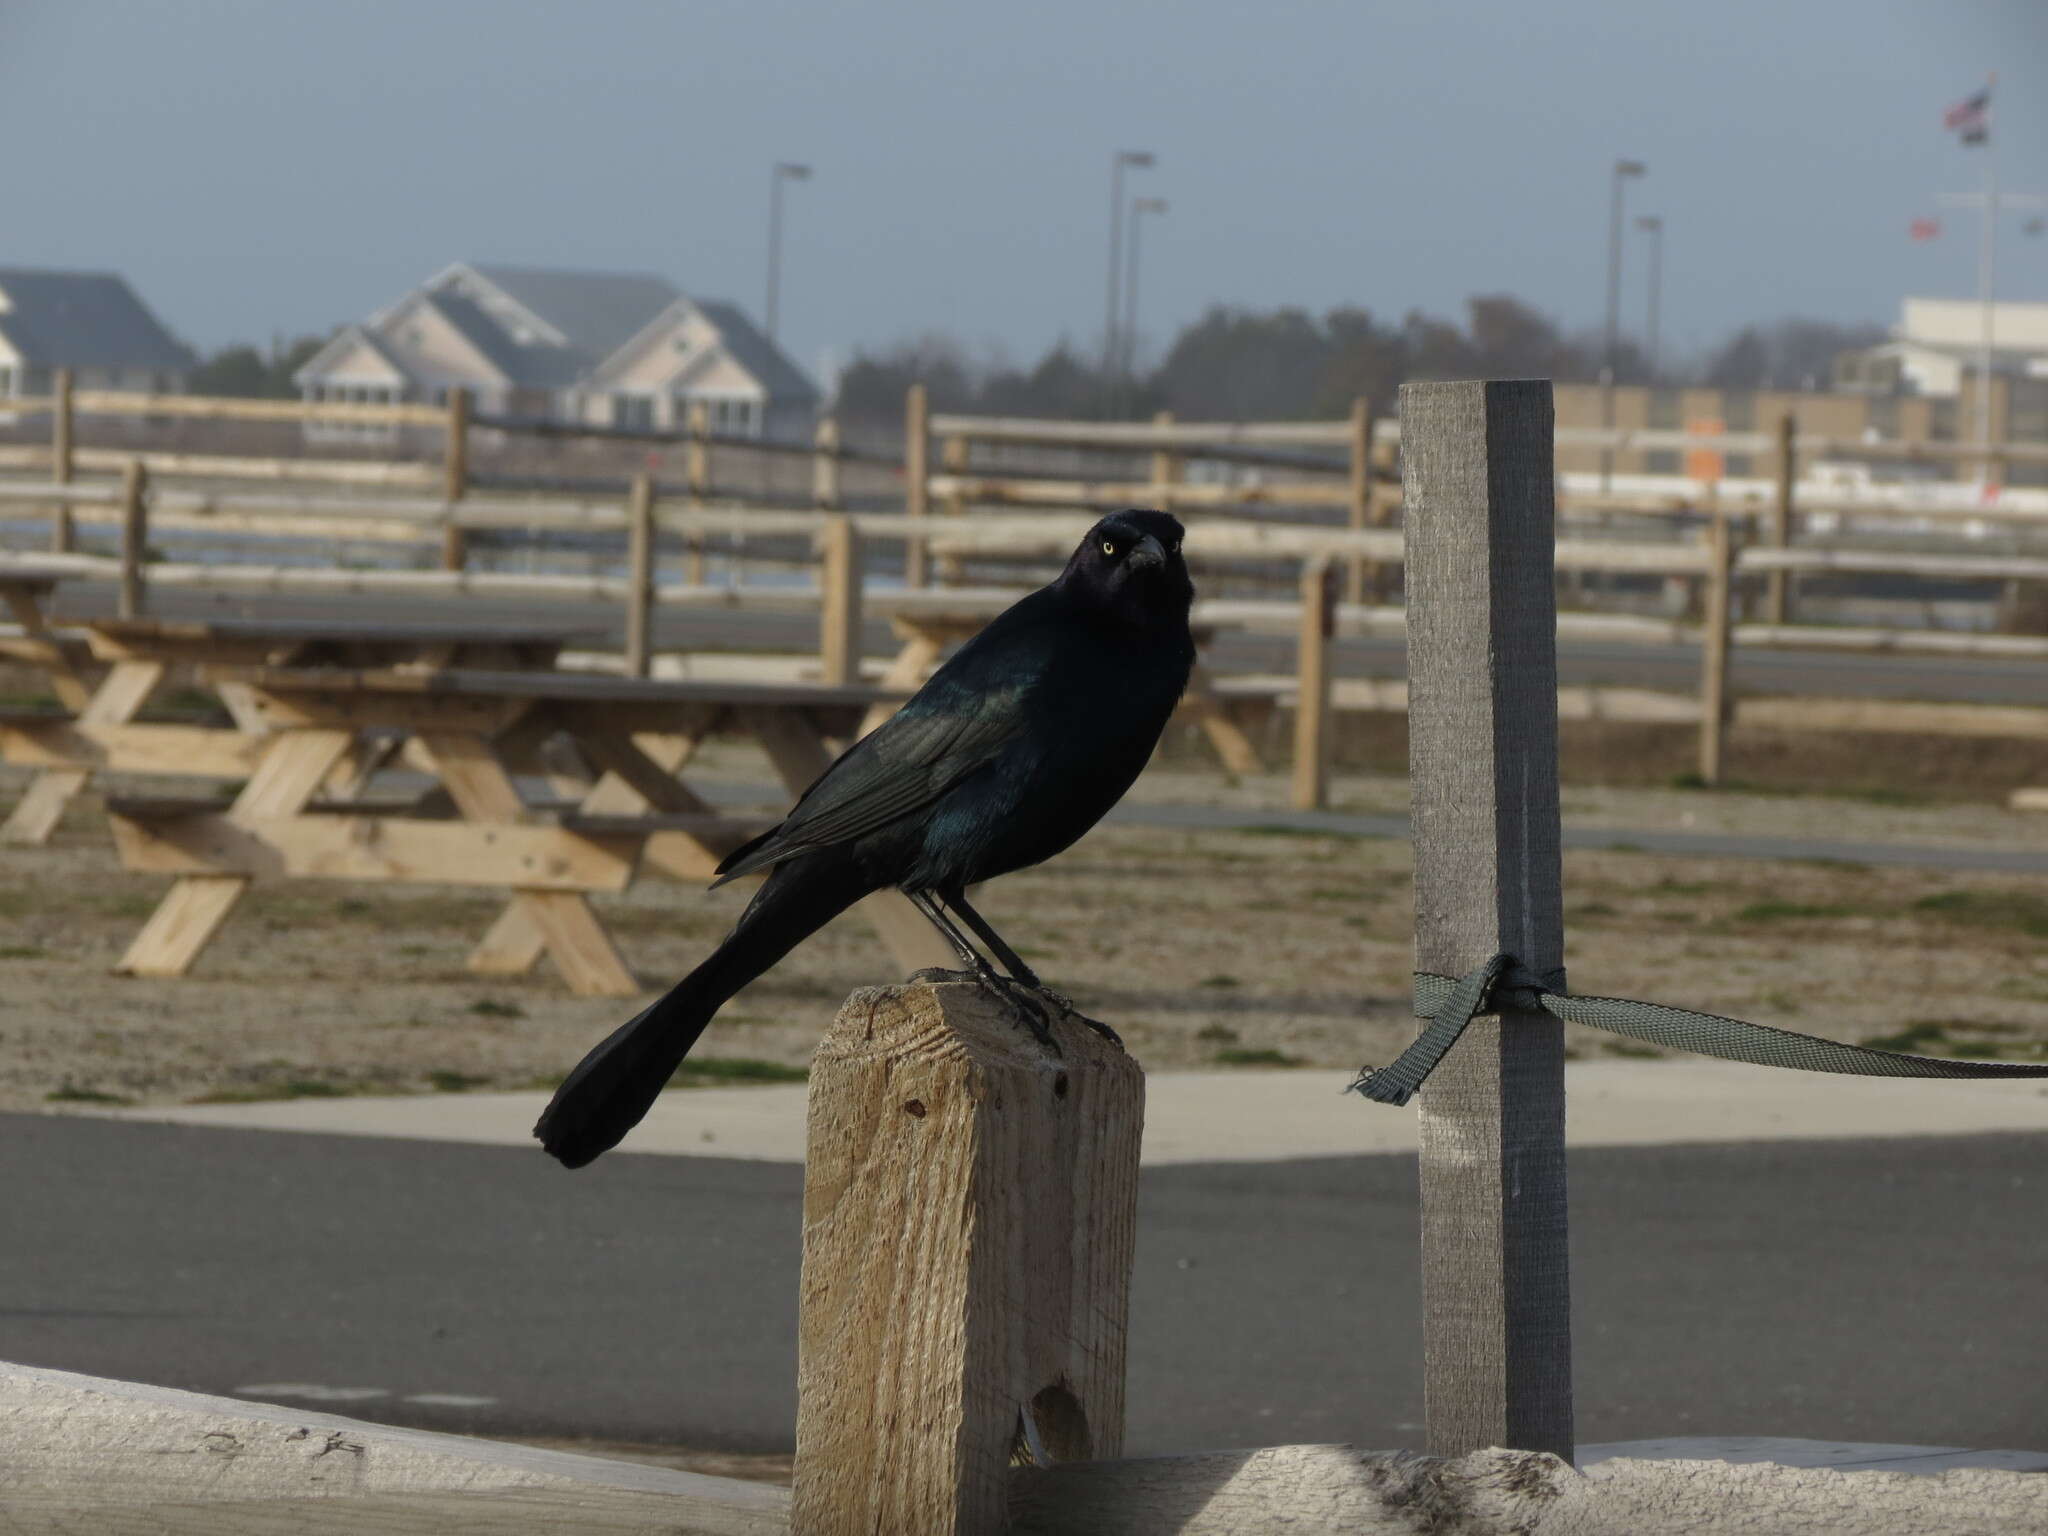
[285, 165]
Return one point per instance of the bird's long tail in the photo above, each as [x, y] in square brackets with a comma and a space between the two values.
[616, 1084]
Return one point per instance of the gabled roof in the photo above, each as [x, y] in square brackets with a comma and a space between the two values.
[534, 365]
[83, 320]
[316, 366]
[595, 313]
[754, 352]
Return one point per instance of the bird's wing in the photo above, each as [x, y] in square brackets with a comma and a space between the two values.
[924, 749]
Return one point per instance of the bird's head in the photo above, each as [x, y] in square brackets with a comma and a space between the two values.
[1130, 563]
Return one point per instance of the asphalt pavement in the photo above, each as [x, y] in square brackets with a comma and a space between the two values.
[1875, 1290]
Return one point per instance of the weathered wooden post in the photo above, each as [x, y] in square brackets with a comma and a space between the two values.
[1716, 626]
[1360, 509]
[970, 1206]
[839, 594]
[1482, 721]
[134, 537]
[825, 465]
[696, 485]
[63, 533]
[1778, 584]
[954, 459]
[1166, 464]
[917, 471]
[1312, 745]
[455, 479]
[640, 553]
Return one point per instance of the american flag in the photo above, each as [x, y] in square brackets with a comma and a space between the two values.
[1971, 118]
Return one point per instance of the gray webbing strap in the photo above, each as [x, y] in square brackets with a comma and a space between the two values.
[1451, 1002]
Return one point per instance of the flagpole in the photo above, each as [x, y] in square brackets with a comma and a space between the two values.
[1987, 271]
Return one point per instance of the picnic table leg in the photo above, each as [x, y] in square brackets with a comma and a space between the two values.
[185, 921]
[123, 692]
[1224, 733]
[66, 681]
[797, 749]
[569, 930]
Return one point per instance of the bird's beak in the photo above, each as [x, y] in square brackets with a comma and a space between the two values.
[1149, 552]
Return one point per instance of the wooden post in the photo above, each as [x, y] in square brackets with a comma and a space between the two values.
[640, 576]
[825, 466]
[1312, 685]
[1718, 620]
[1478, 485]
[1165, 465]
[917, 469]
[970, 1205]
[134, 537]
[1361, 493]
[455, 479]
[953, 458]
[697, 481]
[1777, 590]
[839, 601]
[63, 533]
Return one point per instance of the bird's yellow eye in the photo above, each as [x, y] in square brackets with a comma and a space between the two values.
[1109, 547]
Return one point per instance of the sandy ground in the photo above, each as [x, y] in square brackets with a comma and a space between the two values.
[1203, 948]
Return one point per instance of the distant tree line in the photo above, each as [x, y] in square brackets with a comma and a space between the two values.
[242, 370]
[1242, 365]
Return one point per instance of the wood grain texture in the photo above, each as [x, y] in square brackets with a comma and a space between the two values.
[1312, 744]
[134, 537]
[839, 607]
[917, 468]
[970, 1209]
[1482, 720]
[1717, 626]
[639, 575]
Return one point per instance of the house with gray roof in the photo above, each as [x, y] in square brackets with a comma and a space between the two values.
[89, 322]
[615, 349]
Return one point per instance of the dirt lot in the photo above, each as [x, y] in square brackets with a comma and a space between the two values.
[1206, 949]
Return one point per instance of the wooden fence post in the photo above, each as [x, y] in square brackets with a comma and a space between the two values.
[640, 576]
[134, 537]
[953, 458]
[970, 1205]
[455, 479]
[1778, 584]
[63, 532]
[1361, 493]
[1716, 624]
[697, 482]
[839, 592]
[1478, 485]
[1166, 465]
[1312, 744]
[825, 465]
[917, 491]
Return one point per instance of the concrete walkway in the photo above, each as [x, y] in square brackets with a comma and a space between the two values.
[1239, 1116]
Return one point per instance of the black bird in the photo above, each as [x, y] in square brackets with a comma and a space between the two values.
[1009, 753]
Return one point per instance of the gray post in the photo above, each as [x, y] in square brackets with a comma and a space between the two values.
[134, 538]
[640, 554]
[1482, 722]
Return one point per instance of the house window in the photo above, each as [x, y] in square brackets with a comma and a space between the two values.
[634, 413]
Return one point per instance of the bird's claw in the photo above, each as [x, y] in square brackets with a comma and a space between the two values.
[1065, 1004]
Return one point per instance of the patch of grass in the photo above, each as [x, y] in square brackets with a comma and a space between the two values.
[2025, 988]
[414, 951]
[70, 1093]
[1781, 1001]
[1217, 1034]
[1789, 912]
[1669, 887]
[737, 1069]
[491, 1008]
[1345, 893]
[23, 952]
[290, 1088]
[1592, 909]
[1282, 829]
[1219, 981]
[1913, 1038]
[2022, 911]
[1262, 1057]
[447, 1080]
[1630, 1048]
[1838, 866]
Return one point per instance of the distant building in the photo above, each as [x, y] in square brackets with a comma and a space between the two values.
[602, 348]
[89, 322]
[1938, 343]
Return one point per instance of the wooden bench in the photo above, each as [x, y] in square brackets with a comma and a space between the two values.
[467, 728]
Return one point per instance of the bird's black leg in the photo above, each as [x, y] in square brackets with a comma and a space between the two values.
[1026, 1007]
[1012, 962]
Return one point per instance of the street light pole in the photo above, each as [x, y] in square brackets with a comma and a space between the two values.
[1652, 225]
[1136, 159]
[784, 171]
[1140, 206]
[1623, 169]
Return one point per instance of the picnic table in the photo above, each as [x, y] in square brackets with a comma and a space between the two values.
[469, 729]
[25, 592]
[97, 729]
